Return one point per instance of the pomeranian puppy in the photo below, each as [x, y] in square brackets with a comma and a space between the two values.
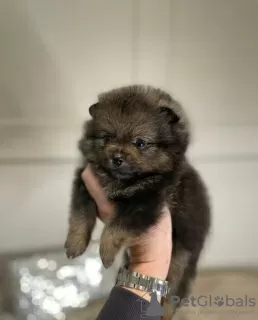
[136, 143]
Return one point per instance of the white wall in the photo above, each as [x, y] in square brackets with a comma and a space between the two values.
[57, 55]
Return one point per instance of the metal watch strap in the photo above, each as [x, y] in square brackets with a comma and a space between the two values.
[132, 279]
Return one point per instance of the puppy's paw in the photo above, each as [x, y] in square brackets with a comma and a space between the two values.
[79, 235]
[107, 254]
[75, 246]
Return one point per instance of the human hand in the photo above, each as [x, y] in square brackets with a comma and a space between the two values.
[152, 254]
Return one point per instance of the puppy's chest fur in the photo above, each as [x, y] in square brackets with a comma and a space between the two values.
[118, 190]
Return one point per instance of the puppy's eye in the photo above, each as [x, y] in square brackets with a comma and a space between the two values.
[140, 143]
[106, 138]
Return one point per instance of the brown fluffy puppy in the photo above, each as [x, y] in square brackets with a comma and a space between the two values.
[136, 143]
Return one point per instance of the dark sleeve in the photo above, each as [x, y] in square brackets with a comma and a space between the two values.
[123, 304]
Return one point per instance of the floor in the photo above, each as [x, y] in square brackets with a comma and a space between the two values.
[229, 295]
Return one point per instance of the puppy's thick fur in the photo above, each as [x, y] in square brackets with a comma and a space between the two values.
[136, 143]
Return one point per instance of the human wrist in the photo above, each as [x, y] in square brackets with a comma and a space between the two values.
[154, 269]
[142, 294]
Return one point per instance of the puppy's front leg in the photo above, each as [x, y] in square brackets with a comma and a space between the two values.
[113, 238]
[127, 227]
[82, 218]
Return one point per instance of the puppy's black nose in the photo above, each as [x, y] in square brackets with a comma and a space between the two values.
[117, 160]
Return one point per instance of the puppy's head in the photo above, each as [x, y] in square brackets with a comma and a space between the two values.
[135, 131]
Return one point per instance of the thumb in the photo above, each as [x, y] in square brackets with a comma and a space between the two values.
[105, 207]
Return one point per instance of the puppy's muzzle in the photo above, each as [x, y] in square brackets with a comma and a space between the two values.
[117, 162]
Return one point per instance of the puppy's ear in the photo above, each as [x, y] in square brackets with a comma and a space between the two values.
[169, 115]
[93, 109]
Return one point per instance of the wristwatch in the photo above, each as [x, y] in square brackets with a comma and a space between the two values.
[133, 279]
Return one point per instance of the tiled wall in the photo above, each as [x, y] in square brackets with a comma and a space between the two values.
[57, 55]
